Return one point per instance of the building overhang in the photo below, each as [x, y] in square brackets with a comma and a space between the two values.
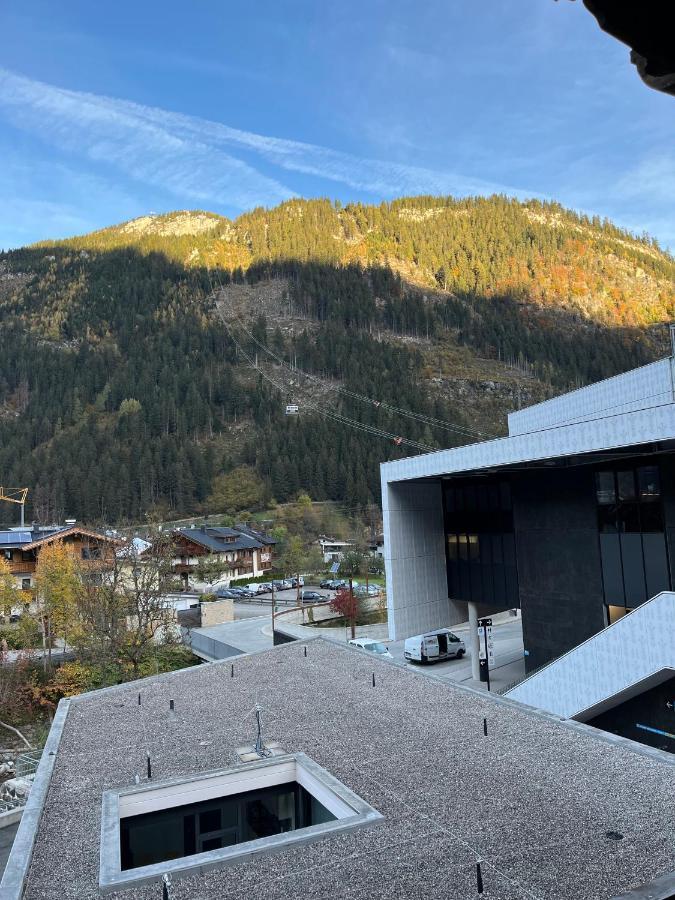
[643, 431]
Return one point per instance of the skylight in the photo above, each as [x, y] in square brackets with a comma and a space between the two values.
[189, 824]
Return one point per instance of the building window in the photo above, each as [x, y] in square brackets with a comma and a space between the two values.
[257, 808]
[25, 584]
[481, 557]
[8, 554]
[629, 500]
[632, 540]
[26, 556]
[91, 552]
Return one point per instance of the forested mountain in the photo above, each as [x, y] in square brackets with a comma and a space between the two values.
[125, 376]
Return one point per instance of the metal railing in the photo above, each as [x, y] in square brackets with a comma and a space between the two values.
[27, 763]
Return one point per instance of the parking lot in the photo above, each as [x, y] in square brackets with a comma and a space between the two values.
[259, 605]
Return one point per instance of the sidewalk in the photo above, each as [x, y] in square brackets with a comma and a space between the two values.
[254, 634]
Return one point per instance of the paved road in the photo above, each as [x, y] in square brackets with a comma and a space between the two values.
[509, 660]
[6, 841]
[252, 616]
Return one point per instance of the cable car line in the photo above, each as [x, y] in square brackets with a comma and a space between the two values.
[398, 440]
[419, 417]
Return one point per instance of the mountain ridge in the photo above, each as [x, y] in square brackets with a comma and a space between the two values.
[140, 364]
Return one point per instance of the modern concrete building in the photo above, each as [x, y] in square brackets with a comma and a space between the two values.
[571, 518]
[370, 780]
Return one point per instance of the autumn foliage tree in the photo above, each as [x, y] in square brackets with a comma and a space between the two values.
[58, 581]
[9, 593]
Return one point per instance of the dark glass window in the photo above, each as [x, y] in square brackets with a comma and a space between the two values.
[628, 500]
[632, 539]
[651, 517]
[607, 521]
[463, 549]
[181, 831]
[605, 488]
[628, 518]
[649, 483]
[626, 484]
[478, 518]
[209, 821]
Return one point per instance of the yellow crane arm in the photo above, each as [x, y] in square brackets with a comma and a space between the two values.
[14, 495]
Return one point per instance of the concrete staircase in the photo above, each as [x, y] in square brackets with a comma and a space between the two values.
[635, 653]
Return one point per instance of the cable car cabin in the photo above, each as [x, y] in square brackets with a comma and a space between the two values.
[292, 409]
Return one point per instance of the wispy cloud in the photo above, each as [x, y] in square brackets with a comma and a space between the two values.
[113, 132]
[195, 158]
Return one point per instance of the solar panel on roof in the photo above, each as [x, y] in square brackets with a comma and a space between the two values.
[15, 537]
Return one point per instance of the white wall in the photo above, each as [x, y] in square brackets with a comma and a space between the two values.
[580, 684]
[642, 388]
[414, 559]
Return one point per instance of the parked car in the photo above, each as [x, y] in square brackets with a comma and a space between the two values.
[313, 597]
[372, 646]
[434, 646]
[265, 587]
[227, 594]
[297, 582]
[242, 593]
[372, 590]
[280, 585]
[328, 583]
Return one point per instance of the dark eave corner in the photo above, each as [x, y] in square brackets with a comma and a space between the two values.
[647, 27]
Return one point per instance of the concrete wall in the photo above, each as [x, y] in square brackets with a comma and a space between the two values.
[631, 653]
[558, 552]
[414, 559]
[215, 612]
[642, 388]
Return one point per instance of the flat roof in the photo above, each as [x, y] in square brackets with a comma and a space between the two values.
[611, 432]
[534, 800]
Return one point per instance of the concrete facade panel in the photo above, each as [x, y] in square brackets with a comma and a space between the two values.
[612, 431]
[604, 667]
[414, 559]
[642, 388]
[559, 567]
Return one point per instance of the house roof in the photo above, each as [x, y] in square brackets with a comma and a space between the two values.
[67, 531]
[30, 538]
[537, 800]
[220, 540]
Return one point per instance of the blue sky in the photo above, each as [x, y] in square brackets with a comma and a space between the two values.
[110, 111]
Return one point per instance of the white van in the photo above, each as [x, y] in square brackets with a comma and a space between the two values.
[434, 646]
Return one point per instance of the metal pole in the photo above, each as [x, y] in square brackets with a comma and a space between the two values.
[273, 605]
[487, 658]
[474, 644]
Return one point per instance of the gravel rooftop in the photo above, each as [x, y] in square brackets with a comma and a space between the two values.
[533, 800]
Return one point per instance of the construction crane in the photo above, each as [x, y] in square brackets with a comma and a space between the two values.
[15, 495]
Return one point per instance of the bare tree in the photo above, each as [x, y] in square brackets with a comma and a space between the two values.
[126, 611]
